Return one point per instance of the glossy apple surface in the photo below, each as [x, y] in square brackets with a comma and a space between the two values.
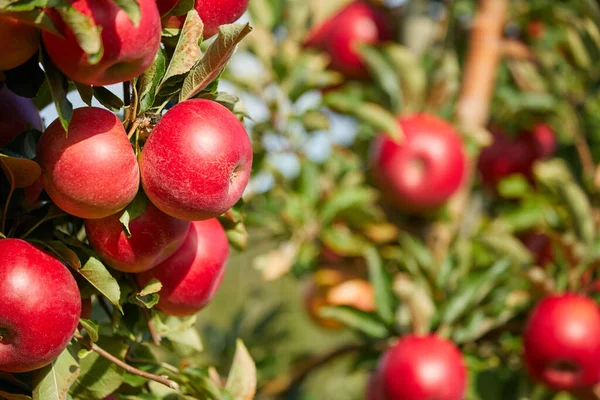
[155, 236]
[191, 277]
[197, 161]
[17, 114]
[422, 368]
[562, 342]
[128, 50]
[424, 170]
[91, 173]
[39, 307]
[18, 43]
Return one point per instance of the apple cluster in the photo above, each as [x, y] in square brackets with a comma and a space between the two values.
[193, 167]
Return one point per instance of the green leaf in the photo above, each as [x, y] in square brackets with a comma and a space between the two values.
[241, 382]
[214, 60]
[357, 320]
[347, 198]
[148, 82]
[21, 172]
[507, 246]
[580, 211]
[384, 75]
[412, 77]
[12, 396]
[186, 339]
[86, 32]
[135, 209]
[384, 298]
[54, 380]
[96, 273]
[148, 296]
[59, 87]
[343, 241]
[91, 327]
[86, 92]
[108, 99]
[132, 8]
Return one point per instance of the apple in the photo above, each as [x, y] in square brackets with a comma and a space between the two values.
[375, 388]
[91, 173]
[420, 368]
[155, 236]
[540, 246]
[191, 277]
[128, 50]
[543, 141]
[536, 29]
[562, 342]
[18, 43]
[340, 36]
[86, 308]
[197, 161]
[40, 307]
[164, 6]
[421, 172]
[17, 114]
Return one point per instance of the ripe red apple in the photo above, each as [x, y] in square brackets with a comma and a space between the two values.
[128, 50]
[543, 140]
[197, 161]
[17, 114]
[562, 342]
[18, 43]
[91, 173]
[421, 368]
[340, 36]
[540, 246]
[164, 6]
[423, 171]
[154, 237]
[191, 277]
[39, 307]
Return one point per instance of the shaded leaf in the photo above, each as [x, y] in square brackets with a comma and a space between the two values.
[108, 99]
[59, 87]
[384, 298]
[21, 172]
[135, 209]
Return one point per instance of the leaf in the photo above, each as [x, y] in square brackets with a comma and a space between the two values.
[85, 31]
[135, 209]
[343, 241]
[96, 273]
[108, 99]
[59, 87]
[413, 79]
[188, 339]
[241, 382]
[132, 8]
[214, 60]
[54, 380]
[91, 327]
[86, 92]
[148, 82]
[187, 53]
[346, 198]
[148, 296]
[384, 75]
[357, 320]
[12, 396]
[384, 298]
[38, 18]
[21, 172]
[580, 211]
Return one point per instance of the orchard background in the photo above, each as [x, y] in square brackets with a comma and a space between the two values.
[419, 214]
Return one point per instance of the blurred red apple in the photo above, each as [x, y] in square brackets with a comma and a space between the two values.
[562, 342]
[191, 277]
[543, 140]
[197, 161]
[536, 29]
[18, 43]
[340, 36]
[540, 246]
[39, 307]
[17, 114]
[421, 368]
[154, 237]
[425, 169]
[128, 50]
[91, 173]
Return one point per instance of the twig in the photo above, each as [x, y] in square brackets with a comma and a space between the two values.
[156, 339]
[134, 127]
[585, 156]
[132, 370]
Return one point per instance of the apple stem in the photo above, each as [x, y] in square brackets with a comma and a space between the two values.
[134, 127]
[132, 370]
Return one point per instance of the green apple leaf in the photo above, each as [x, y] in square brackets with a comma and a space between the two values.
[181, 8]
[384, 298]
[91, 327]
[357, 320]
[136, 208]
[54, 380]
[35, 17]
[148, 82]
[85, 30]
[147, 297]
[59, 87]
[12, 5]
[86, 92]
[21, 172]
[12, 396]
[241, 382]
[108, 99]
[96, 273]
[384, 75]
[132, 8]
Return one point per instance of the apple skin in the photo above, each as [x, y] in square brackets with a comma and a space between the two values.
[128, 50]
[164, 6]
[375, 388]
[423, 171]
[17, 114]
[155, 236]
[92, 173]
[191, 277]
[40, 307]
[197, 161]
[543, 139]
[86, 308]
[405, 370]
[18, 43]
[540, 246]
[564, 331]
[340, 36]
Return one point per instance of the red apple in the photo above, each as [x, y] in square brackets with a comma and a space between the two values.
[86, 308]
[422, 368]
[536, 29]
[543, 140]
[191, 277]
[562, 342]
[91, 173]
[128, 50]
[424, 170]
[154, 237]
[540, 246]
[164, 6]
[39, 307]
[17, 114]
[341, 35]
[18, 43]
[375, 388]
[197, 161]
